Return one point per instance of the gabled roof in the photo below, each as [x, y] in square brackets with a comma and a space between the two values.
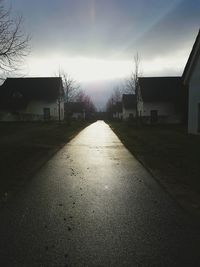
[160, 89]
[194, 55]
[129, 101]
[24, 90]
[75, 107]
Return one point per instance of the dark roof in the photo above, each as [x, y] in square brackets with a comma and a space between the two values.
[194, 55]
[76, 107]
[129, 101]
[24, 90]
[160, 89]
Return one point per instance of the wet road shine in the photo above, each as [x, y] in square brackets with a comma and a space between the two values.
[93, 204]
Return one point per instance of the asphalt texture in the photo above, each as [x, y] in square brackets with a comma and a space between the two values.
[93, 204]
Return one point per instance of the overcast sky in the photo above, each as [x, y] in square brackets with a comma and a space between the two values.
[97, 39]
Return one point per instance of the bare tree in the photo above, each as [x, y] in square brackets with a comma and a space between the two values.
[131, 84]
[117, 94]
[70, 86]
[136, 76]
[115, 97]
[109, 105]
[13, 42]
[87, 102]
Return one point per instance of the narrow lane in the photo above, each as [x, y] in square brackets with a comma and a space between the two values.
[93, 204]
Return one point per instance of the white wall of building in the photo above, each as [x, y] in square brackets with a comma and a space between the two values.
[194, 100]
[37, 107]
[35, 112]
[165, 110]
[127, 113]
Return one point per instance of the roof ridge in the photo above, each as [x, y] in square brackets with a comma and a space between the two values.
[192, 59]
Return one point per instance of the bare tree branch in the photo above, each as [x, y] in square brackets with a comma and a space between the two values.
[87, 102]
[70, 86]
[115, 97]
[14, 44]
[131, 84]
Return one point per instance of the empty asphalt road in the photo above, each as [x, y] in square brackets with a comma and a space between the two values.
[93, 204]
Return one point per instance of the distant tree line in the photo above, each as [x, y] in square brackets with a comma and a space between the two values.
[74, 93]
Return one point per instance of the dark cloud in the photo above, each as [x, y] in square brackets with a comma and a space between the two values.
[112, 28]
[175, 31]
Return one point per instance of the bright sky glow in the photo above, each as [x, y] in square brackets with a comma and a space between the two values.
[81, 69]
[95, 40]
[167, 65]
[90, 69]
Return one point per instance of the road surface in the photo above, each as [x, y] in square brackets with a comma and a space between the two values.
[93, 204]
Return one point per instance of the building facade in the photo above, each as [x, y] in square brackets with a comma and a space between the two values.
[32, 99]
[159, 99]
[191, 81]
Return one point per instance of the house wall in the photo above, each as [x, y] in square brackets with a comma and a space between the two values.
[166, 111]
[194, 100]
[126, 113]
[35, 112]
[37, 107]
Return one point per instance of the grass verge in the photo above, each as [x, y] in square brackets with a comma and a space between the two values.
[25, 147]
[170, 154]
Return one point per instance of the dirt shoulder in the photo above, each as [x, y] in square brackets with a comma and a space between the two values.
[25, 147]
[171, 155]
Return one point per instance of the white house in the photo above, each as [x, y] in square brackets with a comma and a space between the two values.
[191, 81]
[32, 99]
[160, 99]
[128, 106]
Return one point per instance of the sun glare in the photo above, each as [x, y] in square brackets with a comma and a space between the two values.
[91, 69]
